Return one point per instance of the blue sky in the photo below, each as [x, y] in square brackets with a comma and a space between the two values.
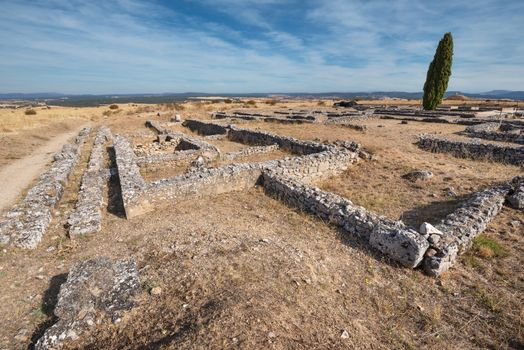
[135, 46]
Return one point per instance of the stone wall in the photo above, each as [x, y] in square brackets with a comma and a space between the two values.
[262, 138]
[87, 216]
[26, 223]
[131, 182]
[491, 131]
[473, 150]
[205, 128]
[250, 151]
[455, 233]
[392, 238]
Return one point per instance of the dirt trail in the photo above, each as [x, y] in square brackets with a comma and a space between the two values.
[18, 175]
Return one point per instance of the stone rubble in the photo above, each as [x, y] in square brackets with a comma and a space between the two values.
[25, 224]
[96, 290]
[87, 216]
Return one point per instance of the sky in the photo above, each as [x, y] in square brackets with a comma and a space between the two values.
[241, 46]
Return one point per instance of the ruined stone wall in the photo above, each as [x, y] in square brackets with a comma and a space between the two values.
[206, 182]
[131, 182]
[26, 223]
[250, 151]
[515, 137]
[253, 137]
[455, 233]
[392, 238]
[87, 216]
[204, 128]
[167, 157]
[473, 150]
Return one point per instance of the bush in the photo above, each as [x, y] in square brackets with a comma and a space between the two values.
[113, 107]
[272, 102]
[321, 103]
[30, 112]
[228, 101]
[251, 102]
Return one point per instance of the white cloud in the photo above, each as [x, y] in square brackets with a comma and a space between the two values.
[138, 46]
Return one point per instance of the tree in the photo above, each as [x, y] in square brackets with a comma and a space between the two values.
[439, 72]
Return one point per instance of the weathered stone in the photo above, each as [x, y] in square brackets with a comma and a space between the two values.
[96, 290]
[428, 229]
[87, 216]
[418, 175]
[516, 199]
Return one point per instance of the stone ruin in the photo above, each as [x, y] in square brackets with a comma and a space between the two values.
[100, 290]
[87, 217]
[25, 224]
[97, 290]
[289, 179]
[501, 153]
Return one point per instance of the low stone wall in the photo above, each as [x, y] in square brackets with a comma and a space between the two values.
[315, 166]
[27, 222]
[206, 182]
[204, 128]
[250, 151]
[262, 138]
[167, 157]
[392, 238]
[131, 182]
[493, 135]
[473, 150]
[87, 216]
[455, 233]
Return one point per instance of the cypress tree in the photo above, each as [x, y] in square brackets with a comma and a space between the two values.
[439, 72]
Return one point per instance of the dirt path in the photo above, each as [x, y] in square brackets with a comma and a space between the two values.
[18, 175]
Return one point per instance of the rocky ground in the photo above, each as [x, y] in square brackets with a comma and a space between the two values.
[242, 270]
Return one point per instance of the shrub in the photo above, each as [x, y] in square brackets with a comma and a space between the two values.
[228, 101]
[30, 112]
[113, 107]
[251, 102]
[272, 102]
[321, 103]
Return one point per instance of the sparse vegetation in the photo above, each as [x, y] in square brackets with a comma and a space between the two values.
[321, 103]
[438, 74]
[251, 102]
[488, 247]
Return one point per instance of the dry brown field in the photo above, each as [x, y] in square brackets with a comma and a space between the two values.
[242, 270]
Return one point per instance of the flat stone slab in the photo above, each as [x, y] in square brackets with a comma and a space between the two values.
[96, 290]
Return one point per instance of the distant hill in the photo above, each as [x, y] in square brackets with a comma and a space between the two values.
[96, 100]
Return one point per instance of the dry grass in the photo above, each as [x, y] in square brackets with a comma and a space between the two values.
[242, 270]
